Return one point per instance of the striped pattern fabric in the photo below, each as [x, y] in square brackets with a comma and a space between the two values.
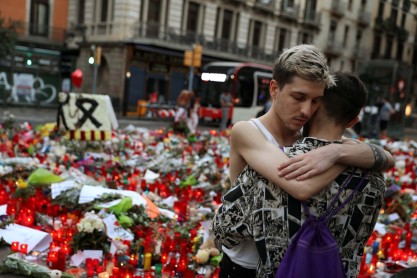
[88, 135]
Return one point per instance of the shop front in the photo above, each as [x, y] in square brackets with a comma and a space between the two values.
[155, 78]
[34, 76]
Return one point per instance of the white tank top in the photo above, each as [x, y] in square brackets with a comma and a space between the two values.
[245, 253]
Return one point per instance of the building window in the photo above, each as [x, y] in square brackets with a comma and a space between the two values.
[39, 17]
[280, 39]
[256, 33]
[192, 17]
[227, 24]
[152, 25]
[346, 35]
[358, 40]
[388, 47]
[154, 10]
[350, 3]
[400, 50]
[216, 28]
[288, 3]
[332, 33]
[377, 46]
[104, 10]
[381, 9]
[81, 11]
[310, 10]
[403, 18]
[304, 37]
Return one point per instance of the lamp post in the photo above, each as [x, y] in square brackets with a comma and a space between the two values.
[95, 60]
[192, 59]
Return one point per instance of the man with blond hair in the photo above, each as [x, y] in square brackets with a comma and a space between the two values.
[300, 76]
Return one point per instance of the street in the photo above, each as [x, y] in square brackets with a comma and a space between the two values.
[37, 115]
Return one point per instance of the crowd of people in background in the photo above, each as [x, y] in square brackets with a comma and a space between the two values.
[186, 116]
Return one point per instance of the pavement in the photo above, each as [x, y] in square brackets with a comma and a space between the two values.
[39, 115]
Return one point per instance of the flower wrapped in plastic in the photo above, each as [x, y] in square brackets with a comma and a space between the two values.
[91, 234]
[17, 264]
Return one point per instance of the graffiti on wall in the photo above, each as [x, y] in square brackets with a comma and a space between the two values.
[26, 88]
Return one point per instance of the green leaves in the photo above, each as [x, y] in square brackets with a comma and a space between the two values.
[123, 206]
[42, 176]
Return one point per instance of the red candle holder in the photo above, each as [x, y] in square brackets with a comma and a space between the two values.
[15, 246]
[23, 248]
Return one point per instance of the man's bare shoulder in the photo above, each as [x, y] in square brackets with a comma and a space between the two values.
[242, 127]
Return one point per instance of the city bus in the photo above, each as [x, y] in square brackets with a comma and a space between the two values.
[247, 82]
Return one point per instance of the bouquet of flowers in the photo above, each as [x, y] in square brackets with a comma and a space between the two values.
[91, 234]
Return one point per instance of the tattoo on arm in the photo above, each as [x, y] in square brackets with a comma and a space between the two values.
[381, 159]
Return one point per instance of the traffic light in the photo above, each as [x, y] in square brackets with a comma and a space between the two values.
[29, 59]
[97, 57]
[188, 58]
[192, 58]
[198, 53]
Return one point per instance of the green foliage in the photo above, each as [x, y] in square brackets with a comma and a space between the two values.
[8, 36]
[96, 240]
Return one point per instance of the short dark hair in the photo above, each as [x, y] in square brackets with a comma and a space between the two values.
[344, 101]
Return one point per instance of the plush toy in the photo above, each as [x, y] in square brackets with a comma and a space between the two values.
[55, 273]
[206, 251]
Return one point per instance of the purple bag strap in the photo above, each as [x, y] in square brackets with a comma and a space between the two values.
[331, 212]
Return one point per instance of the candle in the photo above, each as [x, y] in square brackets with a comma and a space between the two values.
[24, 248]
[147, 261]
[15, 246]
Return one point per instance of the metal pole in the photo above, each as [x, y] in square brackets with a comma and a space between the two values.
[95, 77]
[190, 78]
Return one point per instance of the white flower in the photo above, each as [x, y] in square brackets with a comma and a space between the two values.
[88, 228]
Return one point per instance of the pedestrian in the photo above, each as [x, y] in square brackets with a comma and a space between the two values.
[300, 76]
[181, 113]
[385, 113]
[226, 102]
[193, 118]
[266, 107]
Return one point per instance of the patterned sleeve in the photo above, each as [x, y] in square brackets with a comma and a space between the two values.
[231, 224]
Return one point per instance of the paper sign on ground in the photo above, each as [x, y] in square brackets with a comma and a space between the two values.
[35, 239]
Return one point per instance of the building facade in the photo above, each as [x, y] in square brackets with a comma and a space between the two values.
[41, 64]
[142, 42]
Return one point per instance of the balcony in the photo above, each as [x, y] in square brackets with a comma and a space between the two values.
[289, 12]
[338, 8]
[402, 34]
[390, 26]
[379, 24]
[159, 35]
[265, 5]
[360, 53]
[41, 34]
[311, 19]
[364, 18]
[333, 48]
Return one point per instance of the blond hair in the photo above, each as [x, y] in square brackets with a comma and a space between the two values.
[305, 61]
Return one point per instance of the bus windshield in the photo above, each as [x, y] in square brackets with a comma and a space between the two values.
[217, 79]
[247, 82]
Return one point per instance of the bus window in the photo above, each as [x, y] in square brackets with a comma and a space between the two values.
[244, 92]
[263, 90]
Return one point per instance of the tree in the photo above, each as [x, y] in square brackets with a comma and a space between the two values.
[8, 36]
